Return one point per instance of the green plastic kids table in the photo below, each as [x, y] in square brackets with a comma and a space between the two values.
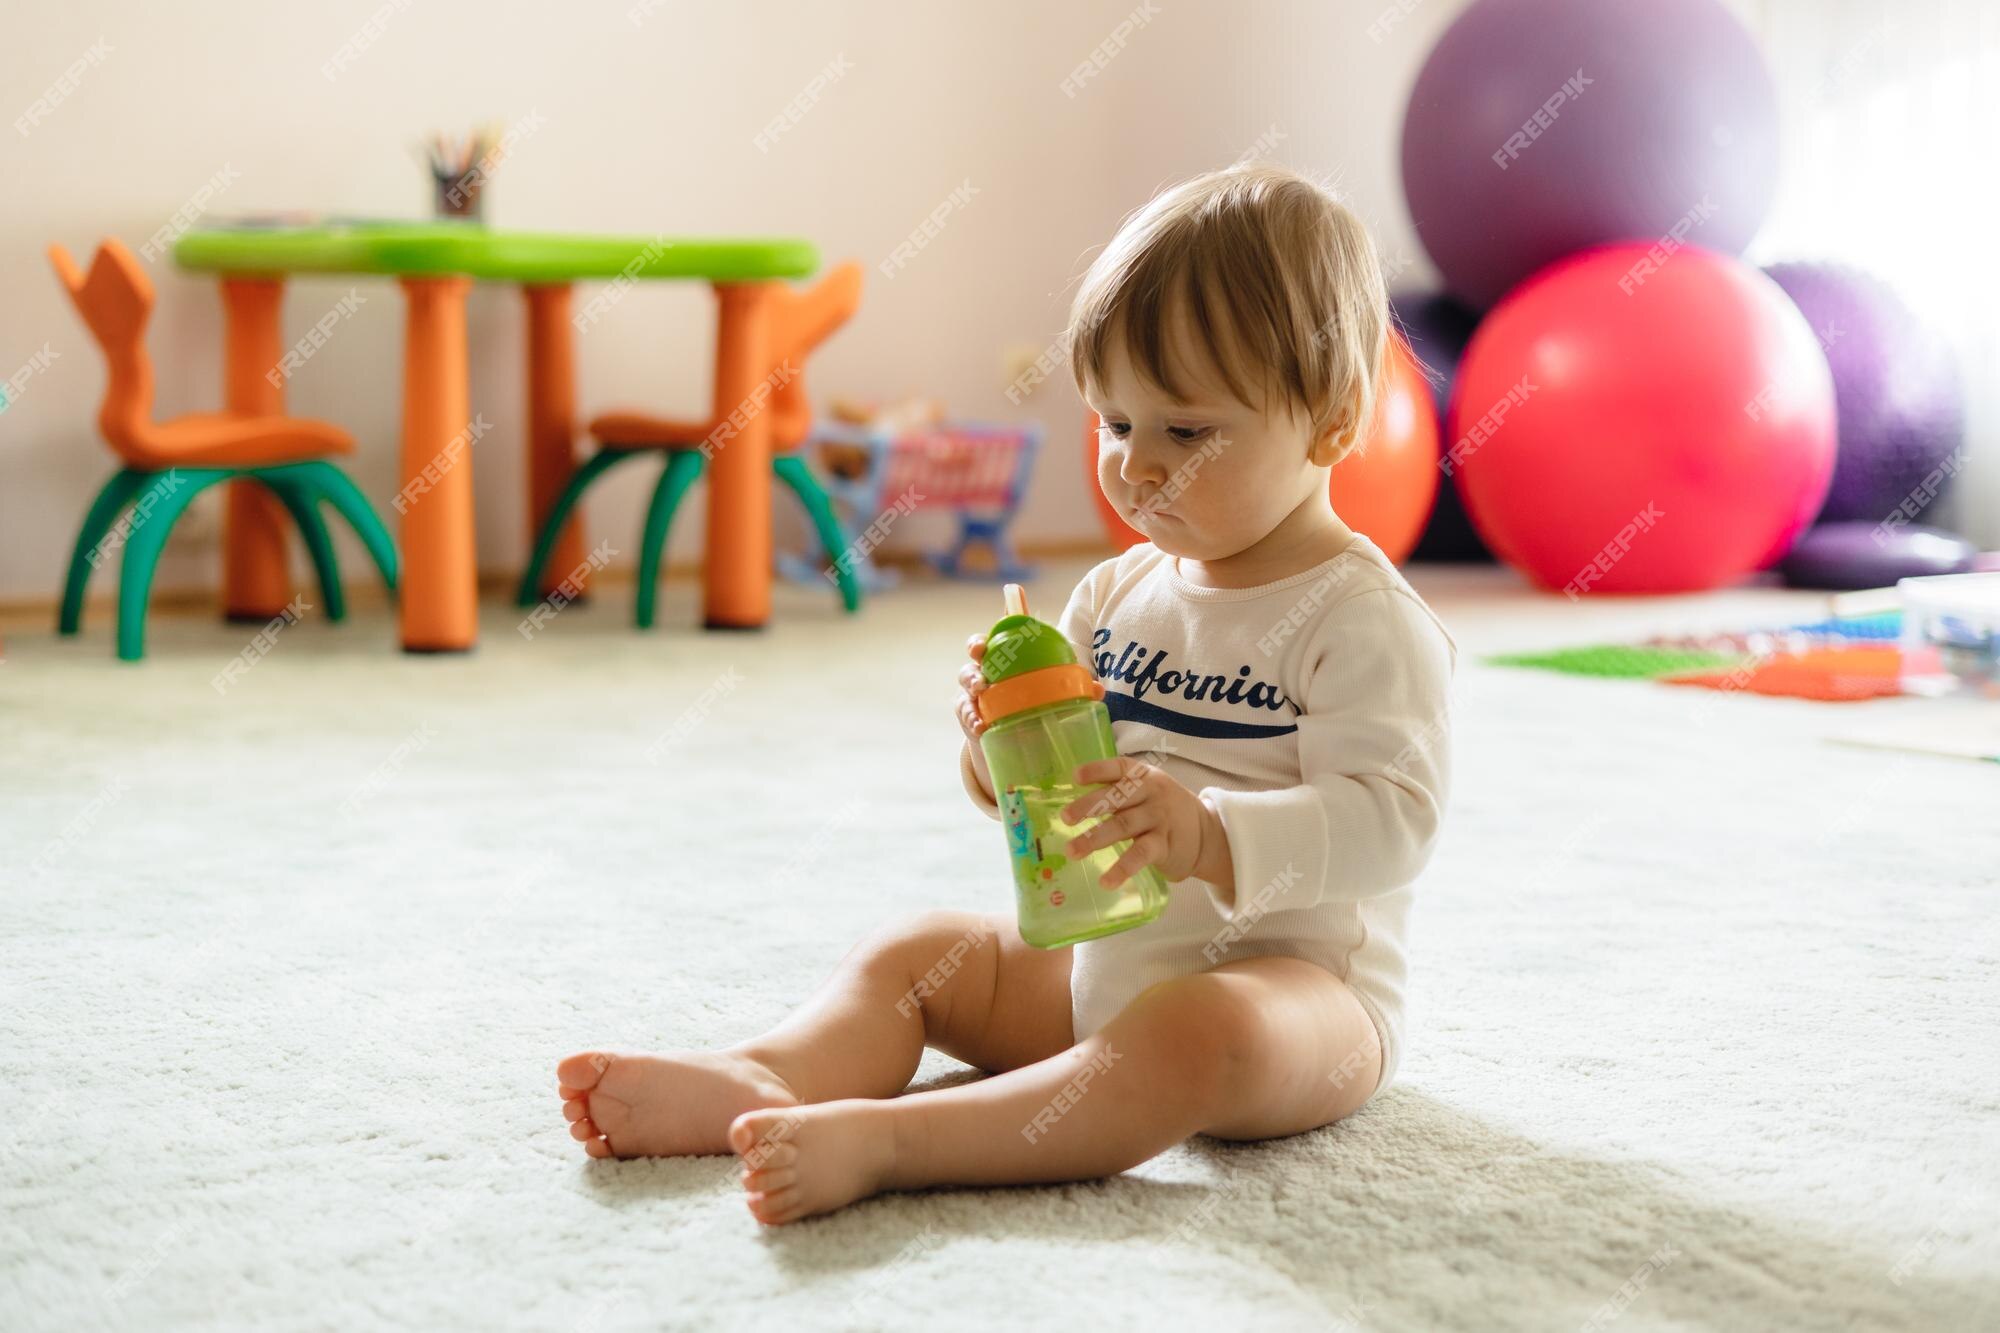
[436, 263]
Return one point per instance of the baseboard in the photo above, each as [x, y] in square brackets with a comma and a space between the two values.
[367, 593]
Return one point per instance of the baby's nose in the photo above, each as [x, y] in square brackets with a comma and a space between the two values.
[1138, 469]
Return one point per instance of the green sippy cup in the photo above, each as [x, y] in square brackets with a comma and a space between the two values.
[1045, 716]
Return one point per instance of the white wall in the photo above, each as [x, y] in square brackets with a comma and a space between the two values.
[646, 127]
[649, 126]
[1890, 117]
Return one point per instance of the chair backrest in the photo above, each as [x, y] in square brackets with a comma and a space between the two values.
[116, 299]
[805, 320]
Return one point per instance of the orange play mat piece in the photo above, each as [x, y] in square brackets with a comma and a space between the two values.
[1834, 675]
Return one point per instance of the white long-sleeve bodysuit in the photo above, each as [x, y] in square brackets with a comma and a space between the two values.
[1312, 714]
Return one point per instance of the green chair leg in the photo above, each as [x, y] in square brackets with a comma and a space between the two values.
[338, 489]
[683, 467]
[104, 511]
[530, 590]
[302, 502]
[819, 506]
[158, 506]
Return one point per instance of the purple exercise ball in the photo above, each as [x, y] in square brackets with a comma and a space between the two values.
[1437, 329]
[1538, 128]
[1896, 386]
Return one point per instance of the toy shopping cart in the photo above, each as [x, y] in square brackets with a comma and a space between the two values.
[877, 476]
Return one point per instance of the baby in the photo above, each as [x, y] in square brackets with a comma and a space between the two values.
[1278, 695]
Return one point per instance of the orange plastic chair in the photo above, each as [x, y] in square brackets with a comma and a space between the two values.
[801, 321]
[170, 462]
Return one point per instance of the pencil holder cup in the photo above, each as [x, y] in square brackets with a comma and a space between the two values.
[460, 195]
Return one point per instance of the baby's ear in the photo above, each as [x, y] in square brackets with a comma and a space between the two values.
[1343, 431]
[1333, 443]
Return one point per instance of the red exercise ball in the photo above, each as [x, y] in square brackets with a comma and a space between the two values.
[1383, 490]
[1627, 421]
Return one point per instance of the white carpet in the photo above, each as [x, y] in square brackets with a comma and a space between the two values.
[1705, 1029]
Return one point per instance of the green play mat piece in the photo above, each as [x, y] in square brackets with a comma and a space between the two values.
[428, 248]
[1619, 661]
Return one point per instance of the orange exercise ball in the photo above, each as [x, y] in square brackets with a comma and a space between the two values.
[1384, 490]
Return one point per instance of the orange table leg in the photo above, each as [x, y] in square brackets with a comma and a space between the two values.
[439, 597]
[552, 427]
[736, 571]
[256, 570]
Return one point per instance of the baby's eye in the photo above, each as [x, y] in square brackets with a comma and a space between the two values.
[1117, 429]
[1189, 434]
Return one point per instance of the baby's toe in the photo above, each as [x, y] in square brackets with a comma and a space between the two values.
[769, 1181]
[764, 1134]
[580, 1072]
[597, 1148]
[776, 1209]
[613, 1117]
[574, 1111]
[768, 1153]
[568, 1093]
[584, 1130]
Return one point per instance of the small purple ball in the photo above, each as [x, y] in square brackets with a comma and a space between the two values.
[1849, 555]
[1896, 387]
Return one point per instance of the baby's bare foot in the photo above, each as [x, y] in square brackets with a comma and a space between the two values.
[678, 1105]
[803, 1160]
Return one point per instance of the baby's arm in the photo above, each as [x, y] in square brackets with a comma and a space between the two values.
[1374, 754]
[1373, 757]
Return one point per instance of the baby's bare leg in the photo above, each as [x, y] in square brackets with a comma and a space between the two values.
[961, 982]
[958, 981]
[1255, 1049]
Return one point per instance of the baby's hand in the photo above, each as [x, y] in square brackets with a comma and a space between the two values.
[1171, 828]
[971, 684]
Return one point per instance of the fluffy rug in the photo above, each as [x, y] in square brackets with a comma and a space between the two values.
[1703, 1031]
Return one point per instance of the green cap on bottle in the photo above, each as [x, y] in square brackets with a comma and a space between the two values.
[1019, 643]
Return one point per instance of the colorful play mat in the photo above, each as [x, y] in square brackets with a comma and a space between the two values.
[1833, 660]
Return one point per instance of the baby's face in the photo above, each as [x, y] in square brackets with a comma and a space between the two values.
[1204, 477]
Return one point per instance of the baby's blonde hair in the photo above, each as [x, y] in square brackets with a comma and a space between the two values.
[1279, 281]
